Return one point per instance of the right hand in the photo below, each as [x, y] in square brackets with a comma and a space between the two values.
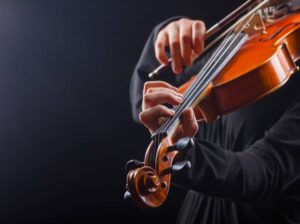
[157, 93]
[185, 38]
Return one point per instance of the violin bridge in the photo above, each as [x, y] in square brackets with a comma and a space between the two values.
[256, 24]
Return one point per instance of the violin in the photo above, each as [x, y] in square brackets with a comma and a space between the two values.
[238, 72]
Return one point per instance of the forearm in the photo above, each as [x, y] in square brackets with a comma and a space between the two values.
[247, 175]
[263, 170]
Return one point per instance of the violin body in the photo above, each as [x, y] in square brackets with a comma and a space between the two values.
[260, 67]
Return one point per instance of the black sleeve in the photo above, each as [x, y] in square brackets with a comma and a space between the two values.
[147, 63]
[265, 169]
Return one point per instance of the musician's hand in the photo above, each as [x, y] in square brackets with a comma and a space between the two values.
[185, 38]
[157, 93]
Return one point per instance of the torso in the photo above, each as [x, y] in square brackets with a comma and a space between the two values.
[237, 131]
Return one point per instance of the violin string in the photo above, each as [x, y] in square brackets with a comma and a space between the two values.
[199, 83]
[234, 39]
[202, 78]
[188, 99]
[190, 94]
[199, 90]
[158, 132]
[156, 140]
[205, 68]
[165, 126]
[237, 35]
[157, 137]
[186, 104]
[199, 76]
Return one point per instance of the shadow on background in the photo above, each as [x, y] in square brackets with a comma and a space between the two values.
[65, 124]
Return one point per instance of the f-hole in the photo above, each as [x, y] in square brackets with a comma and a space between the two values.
[279, 31]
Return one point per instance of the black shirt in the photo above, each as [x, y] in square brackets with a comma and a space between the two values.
[245, 165]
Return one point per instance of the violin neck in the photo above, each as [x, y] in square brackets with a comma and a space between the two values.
[221, 56]
[218, 60]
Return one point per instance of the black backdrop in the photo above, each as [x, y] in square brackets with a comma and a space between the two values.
[65, 123]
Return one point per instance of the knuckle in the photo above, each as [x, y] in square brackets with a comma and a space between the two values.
[183, 21]
[161, 120]
[157, 55]
[150, 90]
[159, 44]
[195, 129]
[170, 98]
[161, 35]
[148, 98]
[142, 117]
[160, 107]
[195, 125]
[199, 24]
[172, 26]
[161, 110]
[192, 130]
[147, 85]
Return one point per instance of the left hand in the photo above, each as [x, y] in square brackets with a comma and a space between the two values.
[157, 93]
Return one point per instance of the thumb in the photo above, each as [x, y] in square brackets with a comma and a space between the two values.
[189, 123]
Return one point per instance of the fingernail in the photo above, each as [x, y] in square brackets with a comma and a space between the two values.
[179, 98]
[172, 112]
[180, 95]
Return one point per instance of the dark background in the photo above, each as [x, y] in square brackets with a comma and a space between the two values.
[65, 124]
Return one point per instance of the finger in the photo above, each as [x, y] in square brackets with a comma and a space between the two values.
[186, 44]
[156, 98]
[151, 117]
[162, 120]
[155, 84]
[198, 30]
[174, 41]
[189, 123]
[160, 47]
[178, 134]
[163, 89]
